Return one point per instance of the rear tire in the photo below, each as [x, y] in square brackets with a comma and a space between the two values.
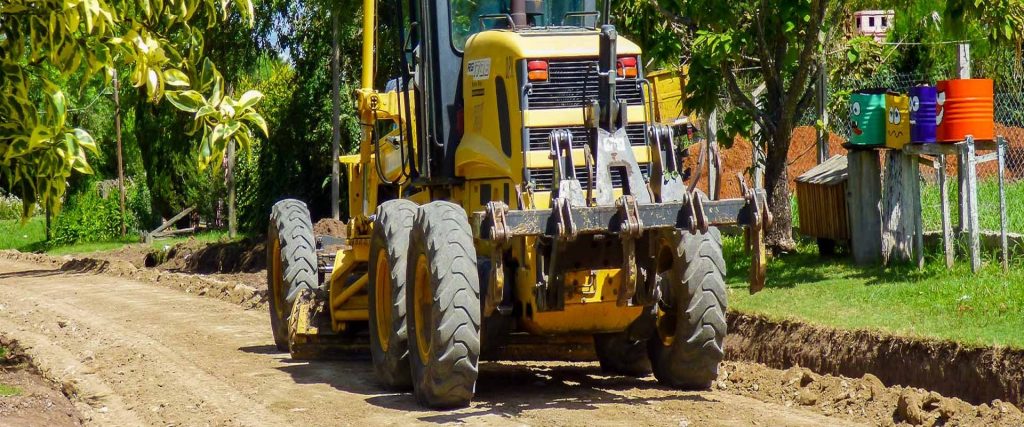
[444, 307]
[622, 355]
[291, 263]
[389, 250]
[688, 346]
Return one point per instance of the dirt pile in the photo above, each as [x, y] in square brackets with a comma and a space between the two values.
[26, 398]
[330, 227]
[191, 256]
[976, 375]
[864, 398]
[245, 289]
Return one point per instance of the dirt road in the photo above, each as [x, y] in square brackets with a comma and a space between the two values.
[137, 353]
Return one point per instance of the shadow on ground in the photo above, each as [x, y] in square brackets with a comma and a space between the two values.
[503, 389]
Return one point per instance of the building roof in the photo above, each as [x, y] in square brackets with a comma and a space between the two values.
[833, 171]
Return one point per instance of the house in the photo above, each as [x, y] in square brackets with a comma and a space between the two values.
[874, 23]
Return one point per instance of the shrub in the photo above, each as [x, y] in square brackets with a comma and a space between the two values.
[94, 213]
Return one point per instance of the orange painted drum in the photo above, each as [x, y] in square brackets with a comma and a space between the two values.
[965, 107]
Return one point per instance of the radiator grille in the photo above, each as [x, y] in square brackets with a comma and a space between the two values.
[541, 177]
[537, 138]
[568, 82]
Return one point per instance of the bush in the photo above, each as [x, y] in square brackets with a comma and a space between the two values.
[94, 214]
[11, 207]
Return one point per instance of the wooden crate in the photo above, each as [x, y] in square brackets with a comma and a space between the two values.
[821, 201]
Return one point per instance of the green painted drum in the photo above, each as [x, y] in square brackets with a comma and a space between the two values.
[867, 117]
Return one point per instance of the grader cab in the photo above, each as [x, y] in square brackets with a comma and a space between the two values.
[512, 189]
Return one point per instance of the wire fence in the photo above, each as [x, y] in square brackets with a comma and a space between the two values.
[1009, 119]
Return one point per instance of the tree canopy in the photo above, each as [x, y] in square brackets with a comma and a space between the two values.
[46, 43]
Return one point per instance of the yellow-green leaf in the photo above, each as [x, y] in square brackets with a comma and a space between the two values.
[174, 77]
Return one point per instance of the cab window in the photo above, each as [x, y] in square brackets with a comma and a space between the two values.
[465, 15]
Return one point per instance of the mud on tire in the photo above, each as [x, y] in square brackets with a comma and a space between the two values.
[688, 345]
[389, 250]
[291, 263]
[444, 307]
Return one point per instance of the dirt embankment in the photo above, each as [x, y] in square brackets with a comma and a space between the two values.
[245, 289]
[976, 375]
[28, 399]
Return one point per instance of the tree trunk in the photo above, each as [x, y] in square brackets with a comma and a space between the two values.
[335, 120]
[230, 175]
[776, 183]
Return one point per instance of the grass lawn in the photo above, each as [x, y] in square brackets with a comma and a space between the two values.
[988, 205]
[974, 309]
[31, 237]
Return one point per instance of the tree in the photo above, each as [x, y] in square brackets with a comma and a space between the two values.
[43, 43]
[783, 42]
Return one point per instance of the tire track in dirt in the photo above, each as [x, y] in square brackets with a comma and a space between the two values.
[132, 353]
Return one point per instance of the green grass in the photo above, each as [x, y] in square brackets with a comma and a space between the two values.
[988, 205]
[31, 237]
[8, 391]
[973, 309]
[22, 236]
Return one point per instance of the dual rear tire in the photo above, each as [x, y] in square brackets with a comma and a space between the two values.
[425, 303]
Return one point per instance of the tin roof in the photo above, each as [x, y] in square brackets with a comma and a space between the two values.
[831, 172]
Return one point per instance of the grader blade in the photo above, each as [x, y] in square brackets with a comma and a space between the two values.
[310, 336]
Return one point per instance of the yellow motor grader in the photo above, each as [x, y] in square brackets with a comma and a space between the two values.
[512, 190]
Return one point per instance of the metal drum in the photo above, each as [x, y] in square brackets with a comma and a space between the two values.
[966, 107]
[867, 117]
[923, 111]
[897, 124]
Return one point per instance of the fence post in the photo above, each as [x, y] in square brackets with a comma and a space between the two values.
[823, 134]
[963, 66]
[712, 152]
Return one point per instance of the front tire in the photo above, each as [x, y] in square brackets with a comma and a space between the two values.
[688, 346]
[389, 250]
[444, 328]
[291, 263]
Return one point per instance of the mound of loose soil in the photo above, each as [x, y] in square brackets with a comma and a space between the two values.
[38, 402]
[330, 227]
[865, 398]
[191, 256]
[976, 375]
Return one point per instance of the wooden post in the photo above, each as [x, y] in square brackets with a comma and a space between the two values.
[947, 226]
[1001, 154]
[972, 205]
[914, 189]
[864, 197]
[712, 147]
[898, 207]
[120, 158]
[335, 120]
[963, 66]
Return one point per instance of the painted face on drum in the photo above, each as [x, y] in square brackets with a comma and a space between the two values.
[854, 119]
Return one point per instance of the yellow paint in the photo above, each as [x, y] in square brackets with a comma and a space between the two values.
[572, 116]
[589, 304]
[542, 159]
[482, 162]
[897, 122]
